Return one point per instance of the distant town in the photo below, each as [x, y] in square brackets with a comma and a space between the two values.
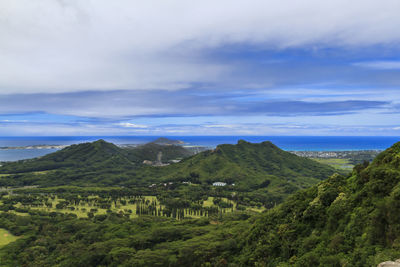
[343, 160]
[365, 154]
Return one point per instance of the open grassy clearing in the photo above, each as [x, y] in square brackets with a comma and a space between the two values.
[18, 213]
[84, 208]
[6, 237]
[125, 205]
[209, 202]
[34, 173]
[40, 172]
[341, 164]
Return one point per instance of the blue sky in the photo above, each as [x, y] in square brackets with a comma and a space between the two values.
[174, 68]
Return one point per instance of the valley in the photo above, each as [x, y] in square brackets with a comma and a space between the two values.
[246, 204]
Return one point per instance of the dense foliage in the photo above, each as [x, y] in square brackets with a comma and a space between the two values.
[343, 221]
[113, 240]
[96, 156]
[267, 173]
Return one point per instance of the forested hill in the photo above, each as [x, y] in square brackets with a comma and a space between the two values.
[91, 155]
[96, 156]
[151, 150]
[343, 221]
[261, 167]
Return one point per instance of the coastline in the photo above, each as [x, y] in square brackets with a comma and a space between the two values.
[20, 148]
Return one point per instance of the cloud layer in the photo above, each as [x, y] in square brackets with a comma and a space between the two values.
[127, 104]
[62, 46]
[209, 67]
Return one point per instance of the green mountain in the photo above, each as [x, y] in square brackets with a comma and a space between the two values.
[166, 141]
[96, 155]
[150, 151]
[263, 168]
[99, 154]
[96, 163]
[342, 221]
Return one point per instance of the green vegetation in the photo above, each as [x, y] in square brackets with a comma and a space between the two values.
[114, 240]
[269, 173]
[262, 173]
[6, 237]
[348, 220]
[343, 221]
[129, 206]
[96, 156]
[339, 164]
[150, 151]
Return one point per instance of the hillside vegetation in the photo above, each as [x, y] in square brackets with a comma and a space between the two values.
[96, 155]
[269, 173]
[343, 221]
[262, 168]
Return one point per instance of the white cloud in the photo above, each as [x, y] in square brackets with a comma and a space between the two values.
[61, 46]
[131, 125]
[383, 65]
[231, 126]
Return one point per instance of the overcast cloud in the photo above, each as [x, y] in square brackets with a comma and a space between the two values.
[62, 46]
[99, 66]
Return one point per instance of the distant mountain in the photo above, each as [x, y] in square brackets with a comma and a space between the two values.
[165, 141]
[150, 152]
[99, 156]
[263, 169]
[342, 221]
[91, 155]
[250, 167]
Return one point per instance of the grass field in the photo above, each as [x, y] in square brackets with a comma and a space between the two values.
[34, 173]
[6, 237]
[341, 164]
[83, 208]
[209, 202]
[256, 209]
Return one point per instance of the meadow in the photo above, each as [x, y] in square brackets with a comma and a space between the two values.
[6, 237]
[339, 164]
[129, 206]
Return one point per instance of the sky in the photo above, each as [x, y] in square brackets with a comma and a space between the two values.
[176, 67]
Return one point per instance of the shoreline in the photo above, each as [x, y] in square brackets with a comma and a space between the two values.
[33, 147]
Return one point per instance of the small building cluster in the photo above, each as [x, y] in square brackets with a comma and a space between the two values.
[219, 184]
[161, 184]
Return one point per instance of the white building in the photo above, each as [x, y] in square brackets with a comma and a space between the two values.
[219, 184]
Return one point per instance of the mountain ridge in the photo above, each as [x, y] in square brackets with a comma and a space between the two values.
[268, 172]
[342, 221]
[260, 167]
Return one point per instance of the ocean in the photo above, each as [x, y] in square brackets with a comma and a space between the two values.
[289, 143]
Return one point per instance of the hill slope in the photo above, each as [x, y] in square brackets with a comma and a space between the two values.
[95, 155]
[343, 221]
[263, 168]
[88, 155]
[151, 150]
[96, 163]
